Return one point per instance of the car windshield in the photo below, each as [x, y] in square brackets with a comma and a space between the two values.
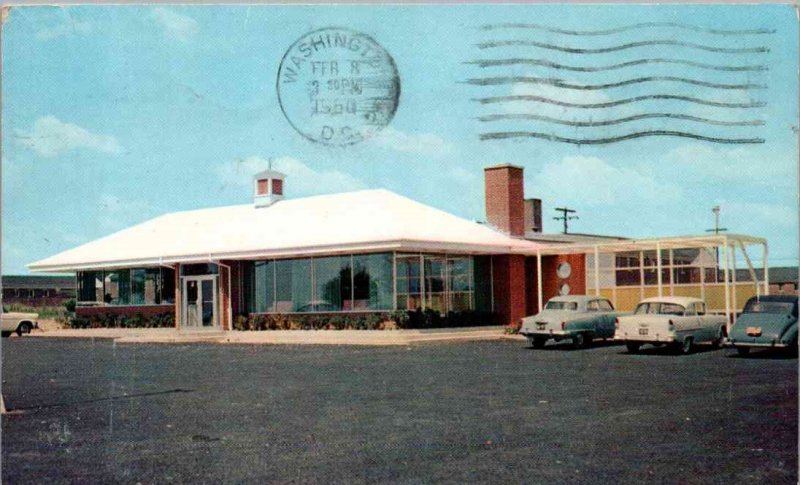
[656, 308]
[761, 306]
[561, 305]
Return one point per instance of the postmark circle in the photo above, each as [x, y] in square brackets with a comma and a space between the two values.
[337, 86]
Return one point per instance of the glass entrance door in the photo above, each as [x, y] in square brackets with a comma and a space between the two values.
[200, 302]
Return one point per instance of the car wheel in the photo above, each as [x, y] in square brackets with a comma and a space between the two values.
[538, 342]
[579, 340]
[5, 334]
[686, 347]
[717, 343]
[633, 347]
[24, 328]
[743, 350]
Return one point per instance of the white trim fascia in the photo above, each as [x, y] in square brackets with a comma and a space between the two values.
[393, 245]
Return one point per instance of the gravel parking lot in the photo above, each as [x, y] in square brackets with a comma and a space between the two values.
[90, 411]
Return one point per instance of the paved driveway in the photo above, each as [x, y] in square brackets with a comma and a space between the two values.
[91, 411]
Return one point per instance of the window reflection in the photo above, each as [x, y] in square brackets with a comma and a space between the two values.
[138, 286]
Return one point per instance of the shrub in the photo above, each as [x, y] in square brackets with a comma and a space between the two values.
[110, 320]
[240, 322]
[70, 305]
[363, 321]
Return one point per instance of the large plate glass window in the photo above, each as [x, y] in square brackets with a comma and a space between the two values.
[372, 281]
[435, 283]
[333, 285]
[409, 282]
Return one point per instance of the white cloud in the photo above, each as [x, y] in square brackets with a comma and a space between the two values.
[301, 178]
[592, 181]
[117, 214]
[65, 29]
[742, 163]
[401, 141]
[50, 137]
[756, 216]
[555, 93]
[178, 26]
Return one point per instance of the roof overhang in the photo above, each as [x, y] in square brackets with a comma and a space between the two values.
[299, 252]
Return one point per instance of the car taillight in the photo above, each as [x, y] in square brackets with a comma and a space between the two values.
[616, 324]
[563, 324]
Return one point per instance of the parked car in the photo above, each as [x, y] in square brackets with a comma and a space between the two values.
[767, 321]
[580, 318]
[680, 322]
[21, 323]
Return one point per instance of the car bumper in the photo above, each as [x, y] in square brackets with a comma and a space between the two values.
[773, 344]
[645, 339]
[556, 334]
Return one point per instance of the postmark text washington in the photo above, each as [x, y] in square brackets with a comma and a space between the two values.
[337, 86]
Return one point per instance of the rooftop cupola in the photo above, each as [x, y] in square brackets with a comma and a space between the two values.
[267, 188]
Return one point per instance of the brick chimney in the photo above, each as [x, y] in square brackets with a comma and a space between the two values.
[267, 188]
[533, 215]
[505, 204]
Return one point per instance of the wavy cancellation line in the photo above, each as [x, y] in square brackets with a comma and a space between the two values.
[617, 121]
[610, 67]
[609, 104]
[631, 45]
[614, 139]
[625, 28]
[494, 81]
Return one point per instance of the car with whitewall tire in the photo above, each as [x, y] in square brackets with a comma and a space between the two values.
[678, 322]
[579, 318]
[18, 322]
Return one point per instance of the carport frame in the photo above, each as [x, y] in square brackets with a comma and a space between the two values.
[727, 242]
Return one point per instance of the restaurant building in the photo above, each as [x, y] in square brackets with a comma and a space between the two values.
[363, 251]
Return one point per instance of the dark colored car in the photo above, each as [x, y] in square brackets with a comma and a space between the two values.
[767, 321]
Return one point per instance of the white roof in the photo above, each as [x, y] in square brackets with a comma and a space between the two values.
[683, 301]
[368, 220]
[577, 298]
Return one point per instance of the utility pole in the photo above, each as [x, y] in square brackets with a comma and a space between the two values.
[716, 230]
[566, 217]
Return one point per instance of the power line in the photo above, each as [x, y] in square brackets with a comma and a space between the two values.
[566, 217]
[716, 230]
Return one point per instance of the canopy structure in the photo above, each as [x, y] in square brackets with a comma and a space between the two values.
[727, 243]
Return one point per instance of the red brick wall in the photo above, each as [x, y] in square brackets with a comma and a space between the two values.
[551, 282]
[178, 296]
[508, 279]
[224, 297]
[531, 287]
[505, 204]
[128, 310]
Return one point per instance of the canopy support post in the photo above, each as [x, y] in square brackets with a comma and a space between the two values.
[766, 270]
[596, 271]
[641, 275]
[539, 279]
[733, 279]
[727, 287]
[658, 269]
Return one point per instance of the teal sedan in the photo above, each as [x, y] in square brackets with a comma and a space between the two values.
[579, 318]
[767, 321]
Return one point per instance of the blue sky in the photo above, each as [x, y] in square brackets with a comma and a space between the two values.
[113, 115]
